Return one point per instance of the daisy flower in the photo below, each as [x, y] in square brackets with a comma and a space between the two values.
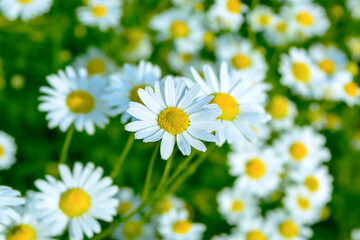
[283, 112]
[177, 226]
[134, 229]
[355, 234]
[129, 202]
[77, 201]
[346, 89]
[24, 9]
[101, 13]
[95, 61]
[75, 98]
[137, 44]
[253, 228]
[179, 61]
[7, 150]
[261, 18]
[239, 99]
[226, 15]
[172, 114]
[169, 204]
[124, 86]
[280, 32]
[8, 198]
[263, 132]
[354, 8]
[353, 44]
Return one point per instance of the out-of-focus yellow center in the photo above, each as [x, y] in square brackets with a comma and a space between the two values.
[255, 235]
[241, 61]
[327, 66]
[25, 1]
[351, 89]
[298, 151]
[234, 6]
[303, 203]
[228, 105]
[133, 229]
[237, 206]
[301, 72]
[182, 227]
[134, 96]
[99, 11]
[209, 39]
[74, 202]
[173, 120]
[96, 66]
[305, 19]
[124, 208]
[179, 29]
[186, 57]
[162, 206]
[353, 68]
[288, 229]
[21, 232]
[80, 102]
[2, 152]
[278, 107]
[255, 168]
[264, 20]
[312, 183]
[132, 37]
[281, 27]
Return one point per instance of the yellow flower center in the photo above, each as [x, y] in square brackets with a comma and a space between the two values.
[228, 105]
[264, 20]
[75, 202]
[99, 11]
[298, 151]
[124, 208]
[255, 235]
[96, 66]
[255, 168]
[327, 66]
[278, 107]
[21, 232]
[162, 207]
[173, 120]
[234, 6]
[2, 152]
[305, 19]
[281, 27]
[312, 183]
[353, 68]
[240, 61]
[182, 227]
[25, 1]
[179, 29]
[303, 203]
[133, 37]
[209, 39]
[80, 102]
[301, 72]
[186, 57]
[134, 96]
[288, 229]
[237, 206]
[133, 229]
[351, 89]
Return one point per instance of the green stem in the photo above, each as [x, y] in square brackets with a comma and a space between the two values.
[65, 148]
[123, 155]
[150, 171]
[164, 176]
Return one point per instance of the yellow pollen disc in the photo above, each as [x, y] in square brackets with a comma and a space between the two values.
[21, 232]
[162, 206]
[237, 206]
[240, 61]
[99, 11]
[234, 6]
[96, 66]
[255, 168]
[80, 102]
[278, 107]
[134, 96]
[74, 202]
[255, 235]
[173, 120]
[209, 39]
[132, 37]
[124, 208]
[301, 72]
[228, 105]
[298, 151]
[179, 29]
[133, 230]
[288, 229]
[186, 57]
[1, 151]
[327, 66]
[281, 27]
[305, 19]
[303, 203]
[351, 89]
[312, 183]
[25, 1]
[264, 20]
[182, 227]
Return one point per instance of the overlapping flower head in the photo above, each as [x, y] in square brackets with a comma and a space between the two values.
[24, 9]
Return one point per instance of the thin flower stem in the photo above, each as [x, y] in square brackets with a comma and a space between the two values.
[150, 171]
[65, 148]
[164, 176]
[122, 157]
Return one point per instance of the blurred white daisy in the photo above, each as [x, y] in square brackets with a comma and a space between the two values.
[354, 8]
[280, 32]
[129, 202]
[75, 98]
[263, 131]
[261, 18]
[134, 229]
[168, 204]
[8, 198]
[253, 228]
[346, 89]
[283, 112]
[179, 61]
[137, 44]
[355, 234]
[77, 201]
[24, 9]
[104, 14]
[173, 114]
[353, 44]
[7, 150]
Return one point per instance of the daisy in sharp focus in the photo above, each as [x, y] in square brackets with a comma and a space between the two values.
[24, 9]
[129, 202]
[104, 14]
[135, 229]
[283, 112]
[75, 98]
[124, 86]
[173, 114]
[7, 150]
[77, 201]
[261, 18]
[240, 100]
